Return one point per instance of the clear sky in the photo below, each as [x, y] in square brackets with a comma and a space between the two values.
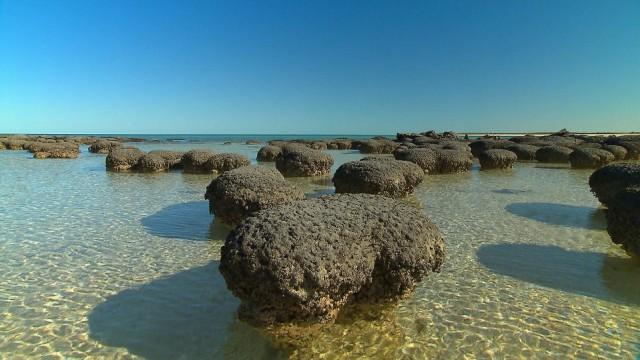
[324, 67]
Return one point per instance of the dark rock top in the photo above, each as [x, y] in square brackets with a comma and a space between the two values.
[609, 180]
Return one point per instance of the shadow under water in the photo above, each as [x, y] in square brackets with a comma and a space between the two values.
[560, 214]
[188, 221]
[188, 315]
[592, 274]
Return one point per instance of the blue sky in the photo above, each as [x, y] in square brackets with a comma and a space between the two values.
[325, 67]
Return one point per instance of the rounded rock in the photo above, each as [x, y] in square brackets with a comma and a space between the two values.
[238, 193]
[590, 158]
[122, 159]
[553, 154]
[195, 161]
[387, 177]
[226, 161]
[268, 153]
[303, 261]
[609, 180]
[299, 160]
[524, 152]
[497, 159]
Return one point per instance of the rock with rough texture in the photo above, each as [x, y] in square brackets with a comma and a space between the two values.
[303, 261]
[524, 152]
[53, 150]
[387, 177]
[339, 144]
[195, 161]
[450, 161]
[378, 147]
[253, 142]
[497, 159]
[226, 161]
[299, 160]
[152, 163]
[172, 158]
[618, 151]
[480, 146]
[609, 180]
[553, 154]
[268, 153]
[623, 220]
[427, 159]
[437, 161]
[590, 158]
[122, 159]
[236, 194]
[103, 147]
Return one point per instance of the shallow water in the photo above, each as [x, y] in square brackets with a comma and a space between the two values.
[124, 265]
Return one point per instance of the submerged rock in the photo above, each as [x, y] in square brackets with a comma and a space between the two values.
[195, 161]
[268, 153]
[121, 159]
[623, 219]
[226, 161]
[609, 180]
[304, 261]
[590, 158]
[299, 160]
[553, 154]
[388, 177]
[235, 194]
[497, 159]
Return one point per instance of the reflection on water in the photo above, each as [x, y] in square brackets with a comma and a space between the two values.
[594, 274]
[561, 214]
[96, 265]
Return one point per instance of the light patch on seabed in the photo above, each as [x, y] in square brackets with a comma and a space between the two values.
[123, 265]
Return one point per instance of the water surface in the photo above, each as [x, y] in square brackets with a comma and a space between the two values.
[124, 265]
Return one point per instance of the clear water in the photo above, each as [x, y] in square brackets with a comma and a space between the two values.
[124, 265]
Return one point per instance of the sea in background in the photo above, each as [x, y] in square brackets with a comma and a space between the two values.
[124, 265]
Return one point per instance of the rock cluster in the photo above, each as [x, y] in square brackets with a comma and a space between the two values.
[437, 161]
[304, 261]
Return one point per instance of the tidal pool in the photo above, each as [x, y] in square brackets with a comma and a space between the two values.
[124, 265]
